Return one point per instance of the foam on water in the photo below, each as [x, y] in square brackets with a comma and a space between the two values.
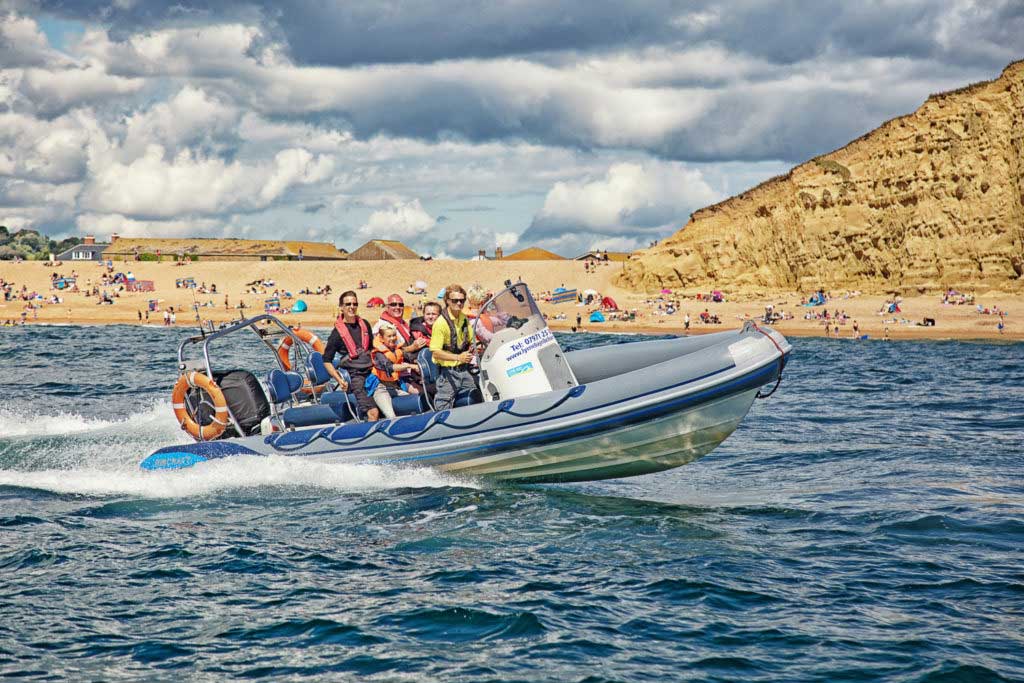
[19, 422]
[229, 474]
[73, 454]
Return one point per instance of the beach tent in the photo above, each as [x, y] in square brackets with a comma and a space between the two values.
[374, 302]
[440, 295]
[597, 317]
[609, 304]
[666, 291]
[589, 292]
[299, 307]
[717, 296]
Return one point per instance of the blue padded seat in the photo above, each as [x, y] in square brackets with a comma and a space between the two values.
[281, 385]
[316, 369]
[413, 404]
[307, 416]
[339, 399]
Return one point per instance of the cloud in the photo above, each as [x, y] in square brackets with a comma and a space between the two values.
[54, 92]
[631, 204]
[401, 221]
[190, 117]
[633, 197]
[22, 44]
[155, 186]
[103, 225]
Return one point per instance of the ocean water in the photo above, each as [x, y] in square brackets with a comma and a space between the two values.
[866, 523]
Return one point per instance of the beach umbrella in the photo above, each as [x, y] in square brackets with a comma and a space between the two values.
[374, 302]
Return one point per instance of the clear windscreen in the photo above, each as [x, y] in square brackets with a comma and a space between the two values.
[509, 309]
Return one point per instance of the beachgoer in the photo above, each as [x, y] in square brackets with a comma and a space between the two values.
[167, 317]
[351, 340]
[579, 320]
[686, 321]
[389, 364]
[450, 342]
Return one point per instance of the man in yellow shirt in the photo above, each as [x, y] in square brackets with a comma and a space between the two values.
[451, 343]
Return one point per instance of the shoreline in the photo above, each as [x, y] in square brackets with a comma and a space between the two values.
[233, 279]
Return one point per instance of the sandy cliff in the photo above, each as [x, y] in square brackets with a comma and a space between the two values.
[928, 200]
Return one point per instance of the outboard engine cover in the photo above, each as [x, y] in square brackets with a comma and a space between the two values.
[522, 357]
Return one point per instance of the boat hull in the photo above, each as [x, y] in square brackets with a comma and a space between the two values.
[640, 408]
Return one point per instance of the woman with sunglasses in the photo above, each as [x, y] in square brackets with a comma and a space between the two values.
[351, 339]
[451, 341]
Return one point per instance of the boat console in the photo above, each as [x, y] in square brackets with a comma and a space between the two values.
[522, 357]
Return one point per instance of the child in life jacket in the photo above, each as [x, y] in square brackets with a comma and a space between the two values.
[388, 364]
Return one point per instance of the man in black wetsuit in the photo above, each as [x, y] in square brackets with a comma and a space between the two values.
[352, 340]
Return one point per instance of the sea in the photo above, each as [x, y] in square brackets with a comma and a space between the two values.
[864, 523]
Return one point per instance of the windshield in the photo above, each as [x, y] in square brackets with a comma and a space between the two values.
[509, 309]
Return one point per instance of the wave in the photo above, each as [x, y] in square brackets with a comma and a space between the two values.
[18, 422]
[238, 473]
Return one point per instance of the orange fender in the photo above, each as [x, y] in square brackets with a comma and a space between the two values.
[220, 405]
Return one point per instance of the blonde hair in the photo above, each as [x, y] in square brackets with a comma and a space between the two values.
[477, 294]
[386, 326]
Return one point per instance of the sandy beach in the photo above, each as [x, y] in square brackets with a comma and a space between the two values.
[384, 277]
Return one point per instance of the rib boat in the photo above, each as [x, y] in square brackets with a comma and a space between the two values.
[541, 414]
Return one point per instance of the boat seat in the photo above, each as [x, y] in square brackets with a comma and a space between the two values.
[282, 386]
[308, 416]
[429, 372]
[413, 404]
[343, 403]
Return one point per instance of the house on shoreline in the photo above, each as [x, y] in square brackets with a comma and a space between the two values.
[88, 250]
[218, 249]
[383, 250]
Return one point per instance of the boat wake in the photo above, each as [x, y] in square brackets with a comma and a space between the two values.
[67, 453]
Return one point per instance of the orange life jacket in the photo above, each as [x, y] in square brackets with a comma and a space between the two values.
[394, 355]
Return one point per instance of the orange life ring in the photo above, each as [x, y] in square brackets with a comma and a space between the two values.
[308, 338]
[220, 406]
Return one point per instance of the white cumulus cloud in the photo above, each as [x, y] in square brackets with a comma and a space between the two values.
[401, 221]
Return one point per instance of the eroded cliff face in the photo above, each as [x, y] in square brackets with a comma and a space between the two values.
[930, 200]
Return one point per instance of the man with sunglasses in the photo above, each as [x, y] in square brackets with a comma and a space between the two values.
[394, 314]
[451, 341]
[351, 338]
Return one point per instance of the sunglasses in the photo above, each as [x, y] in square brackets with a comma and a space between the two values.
[351, 303]
[457, 301]
[396, 305]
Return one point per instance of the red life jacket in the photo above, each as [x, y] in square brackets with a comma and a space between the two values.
[400, 325]
[346, 336]
[394, 355]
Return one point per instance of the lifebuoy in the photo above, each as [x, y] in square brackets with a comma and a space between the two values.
[284, 349]
[220, 406]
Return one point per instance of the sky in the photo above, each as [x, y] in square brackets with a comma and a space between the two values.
[450, 125]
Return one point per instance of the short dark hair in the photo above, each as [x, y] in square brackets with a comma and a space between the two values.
[431, 304]
[347, 293]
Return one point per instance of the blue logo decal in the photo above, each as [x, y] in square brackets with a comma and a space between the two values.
[171, 461]
[520, 369]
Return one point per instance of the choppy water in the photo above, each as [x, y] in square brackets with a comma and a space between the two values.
[866, 523]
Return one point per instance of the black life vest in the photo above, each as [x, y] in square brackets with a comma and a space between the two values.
[451, 346]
